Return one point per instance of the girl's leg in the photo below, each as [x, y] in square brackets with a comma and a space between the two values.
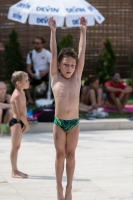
[100, 100]
[8, 116]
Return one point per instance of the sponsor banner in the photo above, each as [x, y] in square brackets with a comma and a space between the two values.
[23, 5]
[75, 10]
[74, 21]
[17, 16]
[47, 9]
[42, 20]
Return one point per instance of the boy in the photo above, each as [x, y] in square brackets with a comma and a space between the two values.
[66, 81]
[18, 124]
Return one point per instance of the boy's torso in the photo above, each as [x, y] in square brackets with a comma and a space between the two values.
[23, 105]
[66, 94]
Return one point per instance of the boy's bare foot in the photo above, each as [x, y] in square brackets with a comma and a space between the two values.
[68, 195]
[23, 173]
[60, 193]
[17, 174]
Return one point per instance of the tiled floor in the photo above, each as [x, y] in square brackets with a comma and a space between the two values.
[104, 167]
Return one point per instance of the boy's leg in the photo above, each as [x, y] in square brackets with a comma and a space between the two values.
[16, 135]
[60, 144]
[72, 140]
[1, 113]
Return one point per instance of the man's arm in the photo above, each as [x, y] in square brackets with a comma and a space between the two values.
[30, 71]
[29, 66]
[125, 90]
[53, 46]
[82, 45]
[128, 89]
[112, 89]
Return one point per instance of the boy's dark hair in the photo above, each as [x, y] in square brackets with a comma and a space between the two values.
[67, 52]
[43, 41]
[115, 72]
[91, 79]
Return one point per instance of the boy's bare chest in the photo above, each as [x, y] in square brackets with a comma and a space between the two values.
[66, 89]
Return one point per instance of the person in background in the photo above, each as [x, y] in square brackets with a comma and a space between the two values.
[38, 62]
[5, 105]
[92, 93]
[117, 92]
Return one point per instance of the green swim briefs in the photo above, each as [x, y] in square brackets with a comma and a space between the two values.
[66, 125]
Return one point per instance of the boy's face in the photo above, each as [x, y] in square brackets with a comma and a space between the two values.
[24, 84]
[2, 89]
[95, 84]
[67, 66]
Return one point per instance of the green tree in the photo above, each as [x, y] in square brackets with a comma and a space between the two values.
[66, 41]
[12, 57]
[105, 64]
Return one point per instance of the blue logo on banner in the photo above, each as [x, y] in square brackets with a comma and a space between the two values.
[75, 10]
[90, 8]
[47, 9]
[99, 17]
[17, 16]
[42, 20]
[22, 5]
[75, 22]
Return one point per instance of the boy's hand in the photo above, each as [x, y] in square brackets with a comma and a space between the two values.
[82, 24]
[52, 24]
[25, 128]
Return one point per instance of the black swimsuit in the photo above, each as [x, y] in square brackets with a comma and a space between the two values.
[16, 121]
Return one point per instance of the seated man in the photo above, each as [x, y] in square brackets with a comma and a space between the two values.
[92, 93]
[5, 105]
[38, 62]
[116, 89]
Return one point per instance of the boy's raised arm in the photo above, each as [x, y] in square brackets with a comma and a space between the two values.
[82, 45]
[53, 46]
